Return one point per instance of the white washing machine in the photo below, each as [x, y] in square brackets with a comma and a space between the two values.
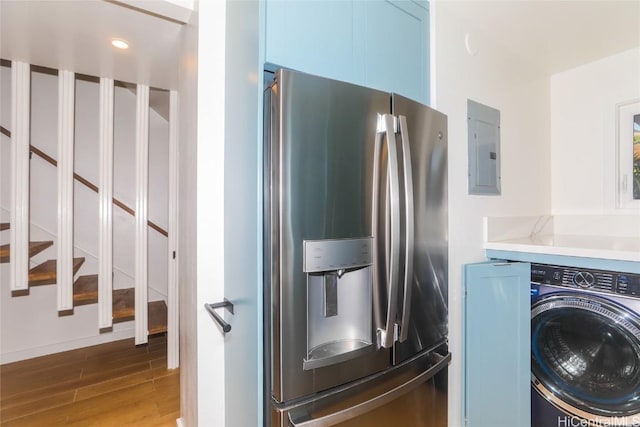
[585, 347]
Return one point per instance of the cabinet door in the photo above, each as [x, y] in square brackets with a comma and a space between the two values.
[392, 41]
[383, 44]
[312, 36]
[497, 354]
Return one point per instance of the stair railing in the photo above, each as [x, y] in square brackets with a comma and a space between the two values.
[21, 153]
[44, 156]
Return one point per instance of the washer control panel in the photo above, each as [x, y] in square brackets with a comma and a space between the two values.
[586, 278]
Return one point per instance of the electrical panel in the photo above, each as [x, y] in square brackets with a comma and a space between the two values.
[483, 131]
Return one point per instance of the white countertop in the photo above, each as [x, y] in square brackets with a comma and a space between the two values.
[589, 236]
[604, 247]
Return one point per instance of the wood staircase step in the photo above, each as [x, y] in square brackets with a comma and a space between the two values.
[123, 305]
[45, 273]
[157, 317]
[85, 290]
[4, 226]
[34, 248]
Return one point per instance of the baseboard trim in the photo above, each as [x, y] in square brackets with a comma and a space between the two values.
[179, 422]
[30, 353]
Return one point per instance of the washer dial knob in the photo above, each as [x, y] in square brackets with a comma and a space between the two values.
[584, 279]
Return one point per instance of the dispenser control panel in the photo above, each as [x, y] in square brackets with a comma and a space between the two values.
[337, 254]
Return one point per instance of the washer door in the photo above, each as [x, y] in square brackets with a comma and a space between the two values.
[585, 356]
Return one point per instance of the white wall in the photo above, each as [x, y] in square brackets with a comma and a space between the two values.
[496, 78]
[30, 325]
[5, 148]
[583, 133]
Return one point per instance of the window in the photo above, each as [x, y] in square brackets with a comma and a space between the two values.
[629, 154]
[636, 156]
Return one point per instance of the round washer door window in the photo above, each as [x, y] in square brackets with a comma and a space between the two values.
[585, 355]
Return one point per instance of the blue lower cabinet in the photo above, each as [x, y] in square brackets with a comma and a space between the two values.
[496, 352]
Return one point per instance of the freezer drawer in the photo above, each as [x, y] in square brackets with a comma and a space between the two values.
[413, 394]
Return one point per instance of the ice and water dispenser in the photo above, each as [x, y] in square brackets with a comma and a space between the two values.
[339, 300]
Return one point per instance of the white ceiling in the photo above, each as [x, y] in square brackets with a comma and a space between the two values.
[76, 35]
[554, 35]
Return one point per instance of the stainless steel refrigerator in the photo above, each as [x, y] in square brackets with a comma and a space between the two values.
[355, 256]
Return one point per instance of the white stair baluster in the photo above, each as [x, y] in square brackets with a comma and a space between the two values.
[66, 132]
[105, 196]
[20, 140]
[142, 196]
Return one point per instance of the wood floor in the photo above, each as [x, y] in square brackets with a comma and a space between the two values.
[114, 384]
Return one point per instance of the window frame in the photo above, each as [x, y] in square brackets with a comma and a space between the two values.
[624, 143]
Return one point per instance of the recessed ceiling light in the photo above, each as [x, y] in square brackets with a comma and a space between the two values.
[120, 44]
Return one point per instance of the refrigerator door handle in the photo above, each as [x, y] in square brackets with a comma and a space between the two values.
[387, 126]
[301, 420]
[409, 228]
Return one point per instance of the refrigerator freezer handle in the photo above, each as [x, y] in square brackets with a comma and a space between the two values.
[409, 228]
[368, 405]
[387, 125]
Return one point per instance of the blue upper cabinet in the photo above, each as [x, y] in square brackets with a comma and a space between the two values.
[378, 43]
[311, 36]
[393, 44]
[497, 350]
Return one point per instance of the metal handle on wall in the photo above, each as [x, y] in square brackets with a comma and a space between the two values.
[371, 404]
[387, 126]
[224, 304]
[409, 228]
